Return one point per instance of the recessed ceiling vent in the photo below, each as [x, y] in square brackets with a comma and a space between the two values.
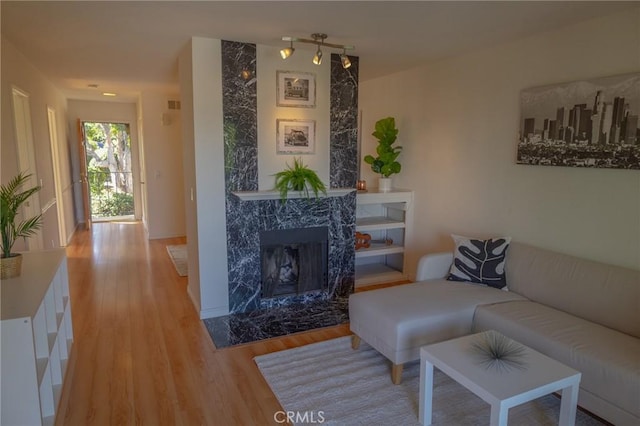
[173, 104]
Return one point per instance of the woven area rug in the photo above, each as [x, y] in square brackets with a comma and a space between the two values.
[178, 255]
[353, 387]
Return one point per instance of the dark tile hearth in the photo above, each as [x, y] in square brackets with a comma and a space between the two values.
[235, 329]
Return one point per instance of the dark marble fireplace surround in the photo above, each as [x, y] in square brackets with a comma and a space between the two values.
[251, 316]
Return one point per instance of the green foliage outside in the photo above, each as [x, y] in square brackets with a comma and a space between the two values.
[114, 205]
[108, 147]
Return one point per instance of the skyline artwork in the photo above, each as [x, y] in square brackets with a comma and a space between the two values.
[587, 123]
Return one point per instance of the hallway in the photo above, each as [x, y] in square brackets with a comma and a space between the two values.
[141, 355]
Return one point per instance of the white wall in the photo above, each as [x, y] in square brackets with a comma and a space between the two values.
[18, 72]
[163, 158]
[269, 162]
[201, 88]
[458, 122]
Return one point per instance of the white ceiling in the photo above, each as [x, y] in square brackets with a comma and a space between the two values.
[126, 47]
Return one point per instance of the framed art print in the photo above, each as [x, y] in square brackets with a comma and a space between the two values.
[296, 89]
[296, 136]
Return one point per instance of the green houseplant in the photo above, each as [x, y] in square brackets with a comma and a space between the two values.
[299, 178]
[385, 163]
[12, 197]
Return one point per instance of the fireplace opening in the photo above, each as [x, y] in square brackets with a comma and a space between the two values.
[293, 261]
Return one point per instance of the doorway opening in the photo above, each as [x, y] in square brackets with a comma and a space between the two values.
[109, 171]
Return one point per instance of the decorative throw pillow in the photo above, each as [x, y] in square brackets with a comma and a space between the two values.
[479, 261]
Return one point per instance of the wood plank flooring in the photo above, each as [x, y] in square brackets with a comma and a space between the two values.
[141, 354]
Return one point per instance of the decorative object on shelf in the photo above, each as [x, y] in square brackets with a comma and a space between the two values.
[296, 136]
[385, 163]
[296, 89]
[585, 123]
[365, 241]
[319, 40]
[497, 351]
[362, 185]
[11, 199]
[299, 178]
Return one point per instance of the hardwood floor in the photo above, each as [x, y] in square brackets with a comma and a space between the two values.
[141, 354]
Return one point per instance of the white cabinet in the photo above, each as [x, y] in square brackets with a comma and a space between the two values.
[37, 336]
[384, 217]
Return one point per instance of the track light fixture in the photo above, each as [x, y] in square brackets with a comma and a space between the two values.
[317, 39]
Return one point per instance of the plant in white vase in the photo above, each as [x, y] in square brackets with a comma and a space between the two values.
[385, 163]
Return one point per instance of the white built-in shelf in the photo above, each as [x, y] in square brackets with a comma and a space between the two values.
[374, 196]
[382, 215]
[275, 195]
[37, 337]
[377, 223]
[376, 272]
[379, 250]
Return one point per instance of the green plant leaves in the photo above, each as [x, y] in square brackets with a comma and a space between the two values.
[385, 163]
[11, 199]
[298, 178]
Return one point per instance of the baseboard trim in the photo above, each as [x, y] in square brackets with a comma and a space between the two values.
[213, 312]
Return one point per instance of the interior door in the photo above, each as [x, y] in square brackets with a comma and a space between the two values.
[84, 180]
[27, 158]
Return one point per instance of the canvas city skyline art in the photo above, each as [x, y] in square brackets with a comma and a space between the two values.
[586, 123]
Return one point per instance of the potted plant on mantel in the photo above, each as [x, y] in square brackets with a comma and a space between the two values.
[385, 163]
[11, 199]
[299, 178]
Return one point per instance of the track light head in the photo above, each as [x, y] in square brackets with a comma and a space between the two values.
[287, 51]
[346, 63]
[317, 58]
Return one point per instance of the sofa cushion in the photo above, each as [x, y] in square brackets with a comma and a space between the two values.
[479, 261]
[398, 320]
[606, 294]
[609, 360]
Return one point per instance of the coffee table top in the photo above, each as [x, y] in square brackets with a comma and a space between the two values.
[457, 359]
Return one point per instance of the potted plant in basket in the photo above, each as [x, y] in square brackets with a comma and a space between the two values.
[11, 199]
[385, 163]
[299, 178]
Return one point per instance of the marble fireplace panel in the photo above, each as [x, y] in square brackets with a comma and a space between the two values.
[343, 151]
[240, 109]
[248, 218]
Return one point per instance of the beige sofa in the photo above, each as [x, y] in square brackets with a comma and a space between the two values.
[582, 313]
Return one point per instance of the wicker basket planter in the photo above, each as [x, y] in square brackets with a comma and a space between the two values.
[11, 266]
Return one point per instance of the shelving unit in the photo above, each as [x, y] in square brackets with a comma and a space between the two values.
[382, 215]
[37, 337]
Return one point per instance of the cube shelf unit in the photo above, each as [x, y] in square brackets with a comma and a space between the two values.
[382, 215]
[37, 337]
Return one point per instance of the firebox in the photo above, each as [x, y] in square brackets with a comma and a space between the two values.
[293, 261]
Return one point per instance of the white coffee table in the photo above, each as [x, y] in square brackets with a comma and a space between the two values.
[501, 388]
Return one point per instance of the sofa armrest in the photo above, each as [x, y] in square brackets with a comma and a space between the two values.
[434, 266]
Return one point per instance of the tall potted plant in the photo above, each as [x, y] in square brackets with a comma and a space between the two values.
[11, 199]
[386, 162]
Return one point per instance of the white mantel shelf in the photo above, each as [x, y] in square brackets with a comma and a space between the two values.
[275, 195]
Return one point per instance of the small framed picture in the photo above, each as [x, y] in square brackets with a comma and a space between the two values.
[296, 136]
[296, 89]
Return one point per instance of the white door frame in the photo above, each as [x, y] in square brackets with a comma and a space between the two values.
[57, 174]
[26, 157]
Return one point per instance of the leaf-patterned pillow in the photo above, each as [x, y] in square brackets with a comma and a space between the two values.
[479, 261]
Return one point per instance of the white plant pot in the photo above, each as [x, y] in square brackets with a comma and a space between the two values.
[384, 184]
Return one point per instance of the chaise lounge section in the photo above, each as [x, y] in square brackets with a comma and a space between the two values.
[582, 313]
